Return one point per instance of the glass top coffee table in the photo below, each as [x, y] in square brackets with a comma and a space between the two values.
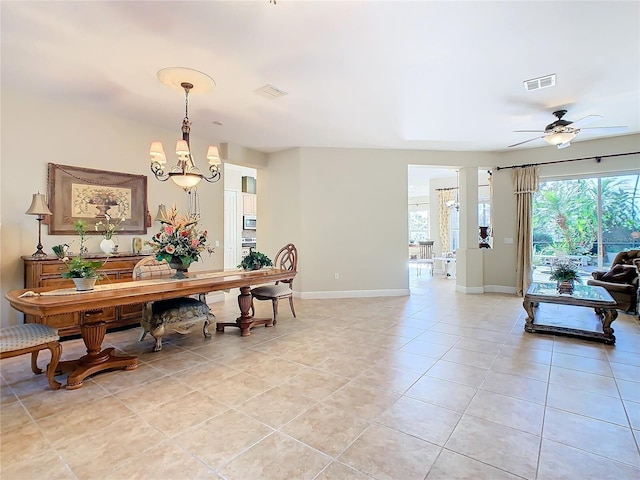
[583, 296]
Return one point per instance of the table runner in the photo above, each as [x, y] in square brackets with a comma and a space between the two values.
[121, 285]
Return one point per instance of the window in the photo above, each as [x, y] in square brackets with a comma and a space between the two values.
[419, 223]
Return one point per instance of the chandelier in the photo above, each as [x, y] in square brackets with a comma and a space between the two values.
[185, 173]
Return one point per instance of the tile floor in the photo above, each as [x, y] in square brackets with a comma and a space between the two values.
[438, 385]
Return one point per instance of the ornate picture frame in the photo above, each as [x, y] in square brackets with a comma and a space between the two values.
[78, 193]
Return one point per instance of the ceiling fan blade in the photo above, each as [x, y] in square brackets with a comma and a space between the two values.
[584, 121]
[530, 131]
[526, 141]
[618, 129]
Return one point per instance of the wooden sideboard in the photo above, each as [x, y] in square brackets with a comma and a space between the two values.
[45, 272]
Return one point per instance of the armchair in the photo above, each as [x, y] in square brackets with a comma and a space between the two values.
[622, 280]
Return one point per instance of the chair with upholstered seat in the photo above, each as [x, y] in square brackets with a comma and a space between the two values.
[31, 338]
[178, 314]
[286, 259]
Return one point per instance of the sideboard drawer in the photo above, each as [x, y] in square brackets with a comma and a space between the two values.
[53, 268]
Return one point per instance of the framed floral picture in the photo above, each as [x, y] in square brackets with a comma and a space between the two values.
[77, 193]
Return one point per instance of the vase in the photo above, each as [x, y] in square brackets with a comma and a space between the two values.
[180, 268]
[107, 245]
[84, 283]
[565, 286]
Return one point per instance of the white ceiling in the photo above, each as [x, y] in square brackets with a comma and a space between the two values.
[410, 75]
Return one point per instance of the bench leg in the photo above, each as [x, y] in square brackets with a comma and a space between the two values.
[34, 362]
[56, 352]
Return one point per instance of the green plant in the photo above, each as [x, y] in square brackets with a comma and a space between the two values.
[107, 228]
[564, 271]
[80, 226]
[255, 260]
[77, 267]
[178, 237]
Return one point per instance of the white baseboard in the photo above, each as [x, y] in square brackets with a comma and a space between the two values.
[470, 290]
[355, 294]
[499, 289]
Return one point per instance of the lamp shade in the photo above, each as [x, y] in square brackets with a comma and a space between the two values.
[38, 205]
[162, 213]
[182, 147]
[213, 155]
[156, 149]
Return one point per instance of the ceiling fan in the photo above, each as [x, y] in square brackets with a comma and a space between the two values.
[561, 132]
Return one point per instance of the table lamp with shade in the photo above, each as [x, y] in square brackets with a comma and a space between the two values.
[39, 208]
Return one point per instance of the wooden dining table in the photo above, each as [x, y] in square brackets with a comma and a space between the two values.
[46, 301]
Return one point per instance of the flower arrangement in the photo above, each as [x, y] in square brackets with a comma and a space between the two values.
[179, 237]
[77, 267]
[564, 270]
[107, 228]
[255, 261]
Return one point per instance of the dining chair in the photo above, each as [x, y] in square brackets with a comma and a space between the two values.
[286, 259]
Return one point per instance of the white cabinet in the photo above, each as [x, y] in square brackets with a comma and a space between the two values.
[249, 204]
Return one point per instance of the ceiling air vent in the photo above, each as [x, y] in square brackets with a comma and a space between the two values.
[540, 82]
[269, 91]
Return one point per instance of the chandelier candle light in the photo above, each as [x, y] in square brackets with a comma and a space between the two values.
[185, 173]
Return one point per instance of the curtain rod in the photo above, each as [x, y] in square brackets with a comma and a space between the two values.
[457, 188]
[597, 158]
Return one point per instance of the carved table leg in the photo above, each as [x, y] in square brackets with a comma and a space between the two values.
[245, 321]
[609, 315]
[530, 308]
[95, 360]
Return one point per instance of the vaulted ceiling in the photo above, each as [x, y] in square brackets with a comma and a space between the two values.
[410, 75]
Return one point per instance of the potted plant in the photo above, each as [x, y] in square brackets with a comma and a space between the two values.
[84, 273]
[565, 273]
[255, 261]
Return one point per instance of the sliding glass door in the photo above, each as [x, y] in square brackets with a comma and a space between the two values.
[588, 220]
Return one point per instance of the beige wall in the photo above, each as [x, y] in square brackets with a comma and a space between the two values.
[345, 209]
[36, 131]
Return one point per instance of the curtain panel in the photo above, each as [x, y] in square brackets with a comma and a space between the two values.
[445, 196]
[525, 184]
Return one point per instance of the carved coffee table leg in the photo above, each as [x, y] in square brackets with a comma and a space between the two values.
[609, 315]
[530, 308]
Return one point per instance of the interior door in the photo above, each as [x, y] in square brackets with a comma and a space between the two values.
[231, 229]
